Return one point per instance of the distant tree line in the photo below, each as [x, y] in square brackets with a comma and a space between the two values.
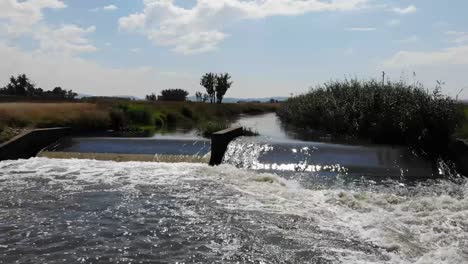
[216, 86]
[22, 86]
[169, 95]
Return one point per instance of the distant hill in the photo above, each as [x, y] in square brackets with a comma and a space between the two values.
[192, 98]
[81, 96]
[235, 100]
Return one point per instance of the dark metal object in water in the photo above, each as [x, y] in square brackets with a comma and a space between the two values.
[220, 141]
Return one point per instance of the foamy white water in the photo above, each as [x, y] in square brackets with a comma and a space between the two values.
[58, 211]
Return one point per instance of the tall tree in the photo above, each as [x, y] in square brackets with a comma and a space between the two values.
[223, 84]
[209, 82]
[151, 97]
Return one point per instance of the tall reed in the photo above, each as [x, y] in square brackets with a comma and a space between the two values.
[394, 112]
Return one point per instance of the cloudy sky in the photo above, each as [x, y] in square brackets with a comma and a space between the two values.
[270, 47]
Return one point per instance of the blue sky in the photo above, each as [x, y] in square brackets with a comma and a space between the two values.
[270, 47]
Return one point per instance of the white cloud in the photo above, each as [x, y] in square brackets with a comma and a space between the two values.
[135, 50]
[18, 17]
[362, 29]
[403, 11]
[200, 28]
[104, 8]
[110, 8]
[447, 56]
[458, 37]
[85, 76]
[26, 18]
[68, 39]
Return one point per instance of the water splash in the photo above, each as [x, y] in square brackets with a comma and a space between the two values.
[59, 211]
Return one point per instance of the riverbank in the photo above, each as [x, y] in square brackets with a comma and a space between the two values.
[122, 115]
[392, 113]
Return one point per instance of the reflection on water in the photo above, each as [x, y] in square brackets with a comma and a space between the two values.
[285, 151]
[271, 127]
[166, 146]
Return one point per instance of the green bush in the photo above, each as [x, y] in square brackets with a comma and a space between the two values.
[187, 112]
[159, 120]
[139, 114]
[118, 120]
[394, 113]
[171, 118]
[6, 133]
[208, 128]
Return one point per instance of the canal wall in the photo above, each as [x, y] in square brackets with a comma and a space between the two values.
[458, 153]
[220, 141]
[28, 144]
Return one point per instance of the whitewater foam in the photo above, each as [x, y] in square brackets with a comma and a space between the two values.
[193, 212]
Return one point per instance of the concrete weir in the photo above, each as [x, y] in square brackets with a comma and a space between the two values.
[28, 144]
[220, 141]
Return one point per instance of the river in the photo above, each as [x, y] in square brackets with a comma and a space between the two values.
[295, 208]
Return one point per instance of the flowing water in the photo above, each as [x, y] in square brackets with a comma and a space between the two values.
[272, 201]
[80, 211]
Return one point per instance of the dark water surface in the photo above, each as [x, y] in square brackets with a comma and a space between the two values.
[134, 146]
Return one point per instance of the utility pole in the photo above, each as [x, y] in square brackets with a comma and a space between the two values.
[383, 78]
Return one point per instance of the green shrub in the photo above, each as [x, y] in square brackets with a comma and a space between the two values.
[171, 118]
[6, 133]
[394, 113]
[159, 121]
[187, 112]
[253, 110]
[138, 114]
[210, 127]
[118, 120]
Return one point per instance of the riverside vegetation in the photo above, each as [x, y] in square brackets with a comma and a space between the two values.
[168, 111]
[123, 115]
[390, 113]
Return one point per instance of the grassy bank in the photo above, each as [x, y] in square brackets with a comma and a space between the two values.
[122, 115]
[393, 113]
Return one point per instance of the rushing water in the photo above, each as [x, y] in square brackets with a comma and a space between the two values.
[80, 211]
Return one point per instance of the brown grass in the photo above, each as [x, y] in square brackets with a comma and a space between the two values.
[77, 115]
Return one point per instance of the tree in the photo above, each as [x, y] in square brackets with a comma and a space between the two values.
[209, 82]
[71, 95]
[58, 92]
[222, 85]
[173, 95]
[198, 96]
[22, 86]
[151, 97]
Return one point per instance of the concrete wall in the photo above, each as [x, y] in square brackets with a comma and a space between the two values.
[220, 141]
[28, 144]
[458, 152]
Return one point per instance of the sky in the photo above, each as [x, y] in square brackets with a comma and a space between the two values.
[270, 47]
